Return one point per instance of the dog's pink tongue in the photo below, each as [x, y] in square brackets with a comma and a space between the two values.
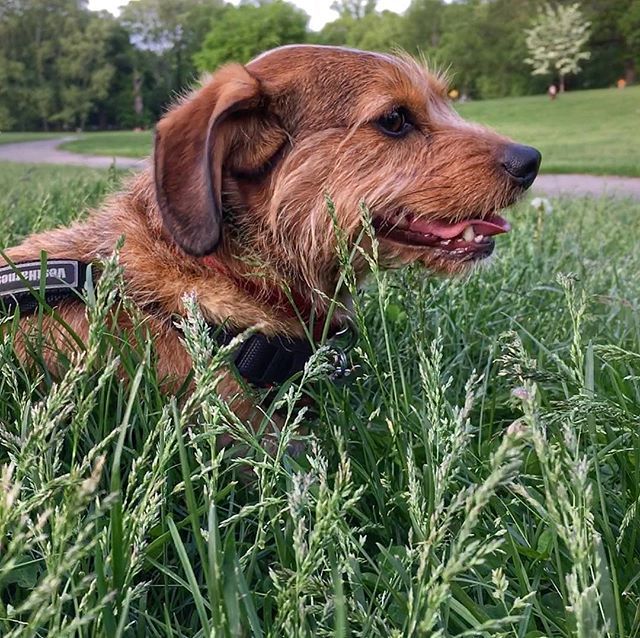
[495, 225]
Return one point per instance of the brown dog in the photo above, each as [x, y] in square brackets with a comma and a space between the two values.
[234, 206]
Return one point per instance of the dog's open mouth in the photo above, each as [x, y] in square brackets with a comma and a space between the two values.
[467, 239]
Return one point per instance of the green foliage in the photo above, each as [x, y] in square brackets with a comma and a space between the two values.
[9, 70]
[242, 32]
[482, 43]
[629, 23]
[171, 31]
[478, 479]
[489, 71]
[85, 72]
[355, 9]
[63, 66]
[424, 25]
[56, 63]
[34, 196]
[373, 31]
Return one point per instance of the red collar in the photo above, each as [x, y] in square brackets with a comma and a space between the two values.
[294, 306]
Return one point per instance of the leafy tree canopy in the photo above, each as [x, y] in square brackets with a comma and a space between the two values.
[242, 32]
[373, 31]
[557, 41]
[63, 66]
[354, 8]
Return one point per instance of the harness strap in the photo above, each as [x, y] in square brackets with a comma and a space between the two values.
[22, 284]
[263, 361]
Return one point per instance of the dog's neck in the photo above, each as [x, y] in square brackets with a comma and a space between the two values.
[251, 257]
[267, 293]
[278, 295]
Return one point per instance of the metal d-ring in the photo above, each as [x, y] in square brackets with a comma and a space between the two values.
[343, 371]
[349, 329]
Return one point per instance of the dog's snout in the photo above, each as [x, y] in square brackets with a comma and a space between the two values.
[522, 163]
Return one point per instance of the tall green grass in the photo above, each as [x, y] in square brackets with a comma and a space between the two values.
[479, 478]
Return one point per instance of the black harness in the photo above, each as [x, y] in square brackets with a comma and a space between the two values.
[27, 284]
[263, 361]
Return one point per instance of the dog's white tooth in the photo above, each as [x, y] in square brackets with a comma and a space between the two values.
[446, 243]
[468, 234]
[478, 238]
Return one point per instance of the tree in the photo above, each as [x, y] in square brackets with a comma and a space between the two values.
[424, 25]
[374, 31]
[10, 71]
[63, 66]
[629, 25]
[54, 62]
[84, 70]
[173, 30]
[483, 45]
[556, 41]
[356, 9]
[242, 32]
[117, 107]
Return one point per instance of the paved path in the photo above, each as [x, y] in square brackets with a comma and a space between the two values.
[46, 151]
[587, 185]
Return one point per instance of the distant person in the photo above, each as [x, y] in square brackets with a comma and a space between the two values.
[552, 92]
[621, 83]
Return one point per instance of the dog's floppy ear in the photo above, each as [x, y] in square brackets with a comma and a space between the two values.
[191, 143]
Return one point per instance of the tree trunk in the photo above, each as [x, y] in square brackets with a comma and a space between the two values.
[178, 86]
[138, 106]
[629, 71]
[561, 87]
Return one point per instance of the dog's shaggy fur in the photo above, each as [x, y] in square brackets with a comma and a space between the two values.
[241, 171]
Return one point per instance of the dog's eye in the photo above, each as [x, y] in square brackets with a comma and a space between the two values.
[395, 123]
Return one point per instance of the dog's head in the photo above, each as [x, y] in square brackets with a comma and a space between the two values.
[249, 160]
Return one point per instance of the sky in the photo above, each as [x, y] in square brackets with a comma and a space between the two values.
[319, 10]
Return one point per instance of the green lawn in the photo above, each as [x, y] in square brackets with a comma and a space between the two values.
[481, 477]
[581, 132]
[10, 137]
[118, 143]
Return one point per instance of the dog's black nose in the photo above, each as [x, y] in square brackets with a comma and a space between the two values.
[522, 163]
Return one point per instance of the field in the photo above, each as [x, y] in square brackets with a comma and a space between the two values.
[119, 143]
[581, 132]
[12, 138]
[480, 478]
